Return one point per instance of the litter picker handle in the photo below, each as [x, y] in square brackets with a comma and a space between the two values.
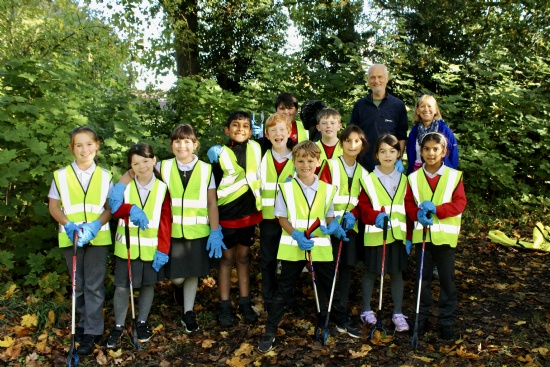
[312, 228]
[385, 231]
[127, 232]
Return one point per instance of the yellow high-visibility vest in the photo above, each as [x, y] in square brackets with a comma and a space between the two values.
[83, 206]
[442, 231]
[236, 180]
[143, 243]
[302, 216]
[270, 180]
[394, 207]
[346, 197]
[190, 205]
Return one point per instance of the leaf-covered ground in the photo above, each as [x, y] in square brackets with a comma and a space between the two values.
[503, 319]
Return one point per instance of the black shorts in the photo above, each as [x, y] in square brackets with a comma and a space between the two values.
[239, 236]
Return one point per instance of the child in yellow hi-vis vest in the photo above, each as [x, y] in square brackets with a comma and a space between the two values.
[196, 234]
[77, 200]
[236, 168]
[383, 196]
[147, 205]
[436, 199]
[299, 203]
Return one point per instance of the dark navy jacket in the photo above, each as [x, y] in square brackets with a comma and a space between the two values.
[389, 117]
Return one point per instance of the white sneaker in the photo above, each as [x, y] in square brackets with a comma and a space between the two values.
[368, 317]
[400, 322]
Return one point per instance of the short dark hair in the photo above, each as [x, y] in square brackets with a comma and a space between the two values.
[287, 100]
[355, 129]
[237, 115]
[388, 139]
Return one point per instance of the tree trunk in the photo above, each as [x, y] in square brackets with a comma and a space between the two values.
[184, 20]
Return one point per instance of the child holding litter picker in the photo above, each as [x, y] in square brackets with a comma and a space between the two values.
[276, 167]
[435, 199]
[145, 217]
[382, 197]
[236, 168]
[196, 235]
[345, 172]
[77, 200]
[299, 203]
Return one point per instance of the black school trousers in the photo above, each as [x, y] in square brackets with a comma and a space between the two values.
[290, 271]
[444, 257]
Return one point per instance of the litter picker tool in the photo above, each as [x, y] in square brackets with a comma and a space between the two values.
[135, 340]
[414, 340]
[379, 325]
[308, 233]
[72, 358]
[325, 326]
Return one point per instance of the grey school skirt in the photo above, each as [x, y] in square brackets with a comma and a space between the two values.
[142, 273]
[189, 258]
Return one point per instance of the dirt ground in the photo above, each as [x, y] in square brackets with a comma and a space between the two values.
[503, 319]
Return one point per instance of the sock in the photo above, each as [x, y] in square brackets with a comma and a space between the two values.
[146, 295]
[396, 284]
[189, 293]
[368, 287]
[120, 304]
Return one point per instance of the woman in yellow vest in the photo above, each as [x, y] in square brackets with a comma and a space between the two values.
[147, 204]
[345, 172]
[77, 201]
[383, 196]
[196, 233]
[435, 199]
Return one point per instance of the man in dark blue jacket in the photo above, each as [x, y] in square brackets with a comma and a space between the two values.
[378, 113]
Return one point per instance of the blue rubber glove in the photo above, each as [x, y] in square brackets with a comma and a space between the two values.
[116, 198]
[139, 218]
[215, 243]
[332, 226]
[88, 231]
[340, 233]
[70, 227]
[428, 206]
[348, 221]
[303, 242]
[379, 221]
[213, 153]
[423, 219]
[257, 130]
[159, 260]
[399, 165]
[408, 246]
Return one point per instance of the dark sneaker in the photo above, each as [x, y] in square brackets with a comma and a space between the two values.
[86, 346]
[226, 317]
[266, 342]
[249, 315]
[78, 334]
[349, 328]
[447, 332]
[178, 296]
[144, 331]
[114, 336]
[189, 321]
